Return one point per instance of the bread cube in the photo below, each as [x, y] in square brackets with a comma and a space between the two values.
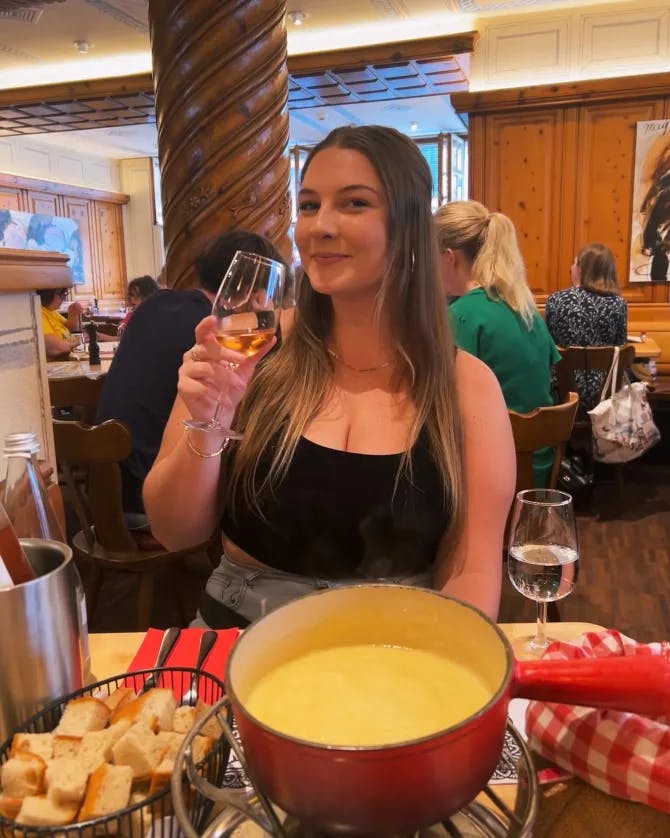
[118, 698]
[140, 749]
[66, 746]
[23, 775]
[81, 715]
[108, 791]
[33, 743]
[96, 745]
[184, 718]
[171, 740]
[41, 811]
[66, 781]
[155, 708]
[9, 807]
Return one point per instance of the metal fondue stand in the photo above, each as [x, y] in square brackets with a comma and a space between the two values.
[248, 813]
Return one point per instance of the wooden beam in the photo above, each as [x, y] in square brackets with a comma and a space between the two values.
[568, 93]
[64, 91]
[396, 51]
[21, 182]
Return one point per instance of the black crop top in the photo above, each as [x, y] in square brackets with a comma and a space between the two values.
[334, 515]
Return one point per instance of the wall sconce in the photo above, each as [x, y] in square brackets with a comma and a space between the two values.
[297, 17]
[82, 46]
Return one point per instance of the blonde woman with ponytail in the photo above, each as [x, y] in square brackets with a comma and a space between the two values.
[494, 316]
[371, 449]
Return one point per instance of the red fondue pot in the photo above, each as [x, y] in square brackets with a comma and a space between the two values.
[402, 787]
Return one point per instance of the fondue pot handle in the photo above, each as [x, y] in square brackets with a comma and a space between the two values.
[631, 684]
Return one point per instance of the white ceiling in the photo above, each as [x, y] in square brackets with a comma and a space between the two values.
[37, 47]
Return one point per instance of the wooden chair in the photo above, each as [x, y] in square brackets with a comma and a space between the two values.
[590, 359]
[104, 541]
[544, 427]
[81, 393]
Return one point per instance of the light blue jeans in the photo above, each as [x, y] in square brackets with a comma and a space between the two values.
[253, 592]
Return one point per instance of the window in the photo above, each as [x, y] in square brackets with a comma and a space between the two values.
[446, 155]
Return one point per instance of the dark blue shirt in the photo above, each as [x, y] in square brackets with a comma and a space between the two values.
[141, 384]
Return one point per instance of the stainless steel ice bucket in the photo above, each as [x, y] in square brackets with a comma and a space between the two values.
[40, 658]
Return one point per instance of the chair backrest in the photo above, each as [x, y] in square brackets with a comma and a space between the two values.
[589, 359]
[541, 428]
[80, 392]
[97, 450]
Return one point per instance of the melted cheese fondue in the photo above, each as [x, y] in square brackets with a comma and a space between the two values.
[366, 695]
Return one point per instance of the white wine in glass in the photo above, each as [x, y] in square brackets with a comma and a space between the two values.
[246, 307]
[542, 553]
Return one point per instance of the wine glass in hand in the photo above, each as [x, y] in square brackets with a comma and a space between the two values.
[246, 308]
[543, 552]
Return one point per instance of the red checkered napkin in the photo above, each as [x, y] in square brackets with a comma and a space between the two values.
[622, 754]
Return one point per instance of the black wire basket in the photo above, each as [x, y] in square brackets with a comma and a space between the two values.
[152, 816]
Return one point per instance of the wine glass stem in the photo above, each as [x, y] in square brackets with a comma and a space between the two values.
[214, 421]
[540, 636]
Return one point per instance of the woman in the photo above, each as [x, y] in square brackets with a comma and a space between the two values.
[369, 443]
[57, 329]
[139, 289]
[495, 316]
[591, 313]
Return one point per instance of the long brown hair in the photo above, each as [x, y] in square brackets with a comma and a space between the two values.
[597, 269]
[289, 389]
[488, 240]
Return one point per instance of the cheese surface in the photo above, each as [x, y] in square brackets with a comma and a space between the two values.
[366, 695]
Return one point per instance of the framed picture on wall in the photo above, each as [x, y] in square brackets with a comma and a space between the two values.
[650, 231]
[38, 231]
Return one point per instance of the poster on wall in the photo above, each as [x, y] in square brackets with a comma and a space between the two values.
[650, 234]
[38, 231]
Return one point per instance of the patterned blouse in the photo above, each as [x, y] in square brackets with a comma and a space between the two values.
[577, 317]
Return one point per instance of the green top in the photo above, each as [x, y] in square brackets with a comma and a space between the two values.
[520, 357]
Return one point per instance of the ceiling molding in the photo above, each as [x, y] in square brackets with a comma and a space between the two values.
[420, 48]
[115, 12]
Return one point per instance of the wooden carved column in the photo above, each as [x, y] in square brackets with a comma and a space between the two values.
[221, 104]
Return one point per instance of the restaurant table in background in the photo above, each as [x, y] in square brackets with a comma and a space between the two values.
[647, 348]
[77, 369]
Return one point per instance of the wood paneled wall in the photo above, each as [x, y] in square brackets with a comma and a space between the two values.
[100, 220]
[558, 160]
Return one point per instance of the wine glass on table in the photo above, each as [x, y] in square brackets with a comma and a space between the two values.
[542, 553]
[246, 307]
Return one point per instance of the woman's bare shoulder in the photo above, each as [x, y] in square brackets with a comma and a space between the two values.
[474, 376]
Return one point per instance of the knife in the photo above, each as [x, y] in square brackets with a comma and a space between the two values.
[167, 643]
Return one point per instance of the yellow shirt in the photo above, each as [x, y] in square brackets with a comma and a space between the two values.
[53, 323]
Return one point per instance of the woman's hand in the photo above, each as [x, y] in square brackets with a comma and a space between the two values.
[211, 374]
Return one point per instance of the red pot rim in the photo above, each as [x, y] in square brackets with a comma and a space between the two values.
[509, 669]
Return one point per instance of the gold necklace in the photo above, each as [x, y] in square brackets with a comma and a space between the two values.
[334, 354]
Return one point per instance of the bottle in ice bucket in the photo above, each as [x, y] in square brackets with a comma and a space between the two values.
[93, 346]
[32, 515]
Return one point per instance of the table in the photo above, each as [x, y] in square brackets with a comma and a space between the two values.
[647, 348]
[111, 655]
[76, 369]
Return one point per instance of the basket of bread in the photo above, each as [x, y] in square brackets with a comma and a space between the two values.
[100, 761]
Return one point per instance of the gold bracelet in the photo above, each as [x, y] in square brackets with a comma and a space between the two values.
[202, 454]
